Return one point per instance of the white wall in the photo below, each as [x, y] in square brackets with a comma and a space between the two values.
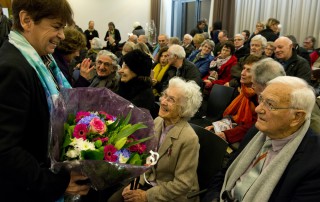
[123, 13]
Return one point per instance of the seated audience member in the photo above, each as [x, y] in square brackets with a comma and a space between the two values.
[159, 71]
[309, 43]
[246, 34]
[202, 57]
[138, 29]
[174, 40]
[257, 46]
[286, 144]
[269, 50]
[293, 64]
[240, 49]
[144, 39]
[67, 50]
[163, 41]
[187, 44]
[96, 47]
[223, 37]
[127, 47]
[220, 68]
[241, 109]
[112, 38]
[180, 66]
[300, 50]
[135, 84]
[259, 27]
[175, 174]
[315, 59]
[106, 66]
[144, 48]
[272, 30]
[197, 40]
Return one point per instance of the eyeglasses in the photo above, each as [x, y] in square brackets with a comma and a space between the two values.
[267, 103]
[169, 99]
[106, 64]
[237, 39]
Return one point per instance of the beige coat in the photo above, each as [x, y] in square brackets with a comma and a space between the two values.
[176, 170]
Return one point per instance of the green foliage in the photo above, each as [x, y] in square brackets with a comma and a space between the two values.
[92, 154]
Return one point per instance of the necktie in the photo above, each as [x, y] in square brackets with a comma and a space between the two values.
[248, 178]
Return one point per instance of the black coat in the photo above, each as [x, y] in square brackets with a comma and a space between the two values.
[139, 92]
[24, 127]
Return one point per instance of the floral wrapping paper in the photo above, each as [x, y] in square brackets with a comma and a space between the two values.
[102, 174]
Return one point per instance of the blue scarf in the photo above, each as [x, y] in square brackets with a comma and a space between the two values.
[34, 59]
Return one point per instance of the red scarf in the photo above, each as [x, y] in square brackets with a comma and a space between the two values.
[242, 108]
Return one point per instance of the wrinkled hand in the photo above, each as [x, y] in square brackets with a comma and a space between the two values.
[222, 135]
[86, 69]
[137, 195]
[74, 188]
[210, 128]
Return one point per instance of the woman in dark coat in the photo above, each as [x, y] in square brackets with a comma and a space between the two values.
[135, 84]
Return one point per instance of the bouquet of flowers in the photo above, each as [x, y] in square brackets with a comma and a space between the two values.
[100, 134]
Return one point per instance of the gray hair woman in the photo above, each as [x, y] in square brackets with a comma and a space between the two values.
[176, 172]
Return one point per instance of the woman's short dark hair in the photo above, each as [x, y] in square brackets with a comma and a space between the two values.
[229, 45]
[161, 51]
[112, 24]
[40, 9]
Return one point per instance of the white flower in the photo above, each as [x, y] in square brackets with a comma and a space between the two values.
[109, 122]
[83, 145]
[72, 153]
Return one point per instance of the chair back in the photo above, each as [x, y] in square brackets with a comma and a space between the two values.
[211, 155]
[219, 99]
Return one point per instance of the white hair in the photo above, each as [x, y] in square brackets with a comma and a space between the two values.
[192, 96]
[177, 50]
[302, 95]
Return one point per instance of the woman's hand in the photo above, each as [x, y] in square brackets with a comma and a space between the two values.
[137, 195]
[86, 69]
[77, 189]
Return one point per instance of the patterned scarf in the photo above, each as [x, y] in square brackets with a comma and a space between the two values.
[44, 74]
[221, 61]
[241, 108]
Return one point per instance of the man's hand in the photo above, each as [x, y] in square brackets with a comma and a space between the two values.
[86, 69]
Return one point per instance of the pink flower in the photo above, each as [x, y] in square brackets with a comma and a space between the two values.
[108, 116]
[97, 126]
[140, 148]
[109, 153]
[80, 131]
[81, 114]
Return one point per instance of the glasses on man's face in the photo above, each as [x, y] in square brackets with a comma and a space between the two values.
[106, 64]
[269, 105]
[169, 99]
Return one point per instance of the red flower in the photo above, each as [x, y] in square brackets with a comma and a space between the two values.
[81, 114]
[140, 148]
[80, 131]
[109, 153]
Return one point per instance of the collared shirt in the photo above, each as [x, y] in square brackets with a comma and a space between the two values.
[277, 145]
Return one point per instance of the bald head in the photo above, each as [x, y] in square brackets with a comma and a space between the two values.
[283, 48]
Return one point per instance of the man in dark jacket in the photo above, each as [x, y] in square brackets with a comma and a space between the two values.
[180, 66]
[293, 64]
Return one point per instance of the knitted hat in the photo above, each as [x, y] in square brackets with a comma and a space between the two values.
[138, 62]
[136, 24]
